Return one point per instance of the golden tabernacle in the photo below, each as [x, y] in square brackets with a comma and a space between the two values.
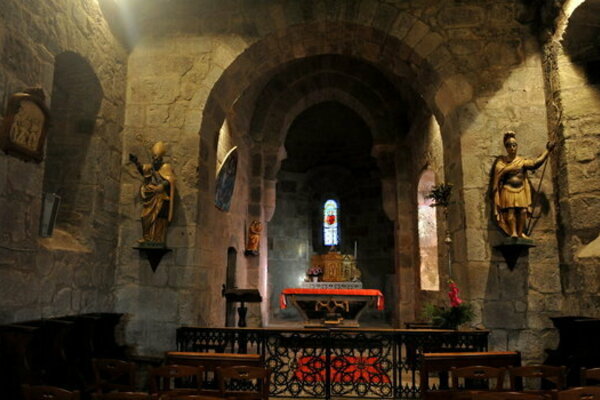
[336, 267]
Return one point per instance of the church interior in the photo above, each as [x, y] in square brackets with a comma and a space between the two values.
[250, 176]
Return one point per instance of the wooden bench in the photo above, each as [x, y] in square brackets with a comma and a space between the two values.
[442, 362]
[210, 361]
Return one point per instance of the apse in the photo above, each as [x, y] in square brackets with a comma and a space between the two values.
[315, 123]
[328, 150]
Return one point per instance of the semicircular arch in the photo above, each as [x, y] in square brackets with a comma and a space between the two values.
[385, 51]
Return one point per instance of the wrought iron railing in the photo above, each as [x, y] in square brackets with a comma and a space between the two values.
[336, 363]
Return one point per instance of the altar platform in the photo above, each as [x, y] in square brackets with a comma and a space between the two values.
[331, 307]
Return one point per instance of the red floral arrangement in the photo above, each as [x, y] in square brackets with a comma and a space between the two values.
[314, 271]
[451, 317]
[455, 301]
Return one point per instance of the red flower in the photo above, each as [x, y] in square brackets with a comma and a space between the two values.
[455, 301]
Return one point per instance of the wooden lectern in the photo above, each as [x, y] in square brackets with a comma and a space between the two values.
[242, 296]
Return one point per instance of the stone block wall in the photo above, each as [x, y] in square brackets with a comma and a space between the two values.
[500, 294]
[475, 66]
[290, 242]
[478, 71]
[58, 276]
[572, 86]
[169, 82]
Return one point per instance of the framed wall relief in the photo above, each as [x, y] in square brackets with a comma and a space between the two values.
[226, 180]
[25, 124]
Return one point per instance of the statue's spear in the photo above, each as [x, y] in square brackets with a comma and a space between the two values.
[534, 219]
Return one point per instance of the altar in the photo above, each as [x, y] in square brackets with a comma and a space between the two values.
[331, 307]
[332, 295]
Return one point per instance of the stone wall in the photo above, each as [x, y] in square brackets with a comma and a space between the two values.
[63, 274]
[474, 66]
[573, 92]
[290, 242]
[508, 301]
[165, 101]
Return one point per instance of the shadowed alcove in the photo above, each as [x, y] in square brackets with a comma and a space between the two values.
[71, 165]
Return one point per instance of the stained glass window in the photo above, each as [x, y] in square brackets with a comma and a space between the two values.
[331, 225]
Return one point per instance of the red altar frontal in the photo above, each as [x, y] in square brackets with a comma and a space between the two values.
[331, 307]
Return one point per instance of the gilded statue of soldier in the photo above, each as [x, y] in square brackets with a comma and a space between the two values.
[511, 189]
[158, 194]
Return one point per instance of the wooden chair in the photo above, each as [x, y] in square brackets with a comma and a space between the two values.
[175, 379]
[240, 377]
[580, 393]
[110, 374]
[475, 374]
[508, 396]
[543, 373]
[441, 363]
[48, 393]
[122, 396]
[210, 362]
[589, 374]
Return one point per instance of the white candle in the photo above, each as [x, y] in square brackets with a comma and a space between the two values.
[355, 249]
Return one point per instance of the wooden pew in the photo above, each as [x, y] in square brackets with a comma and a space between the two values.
[210, 362]
[56, 351]
[17, 343]
[442, 362]
[92, 336]
[49, 359]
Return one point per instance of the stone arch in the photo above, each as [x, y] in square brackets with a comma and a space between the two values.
[441, 88]
[70, 170]
[355, 77]
[431, 75]
[279, 118]
[318, 96]
[355, 84]
[562, 14]
[427, 69]
[580, 39]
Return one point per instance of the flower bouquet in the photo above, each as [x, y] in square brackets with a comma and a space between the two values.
[451, 317]
[314, 273]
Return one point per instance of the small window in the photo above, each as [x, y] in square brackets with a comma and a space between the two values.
[428, 245]
[331, 236]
